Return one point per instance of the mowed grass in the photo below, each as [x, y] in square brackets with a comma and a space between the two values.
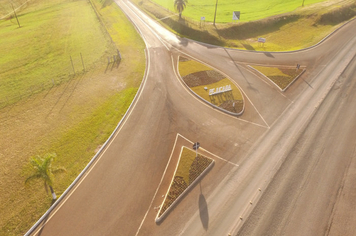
[249, 10]
[190, 66]
[186, 159]
[282, 77]
[74, 117]
[301, 28]
[39, 53]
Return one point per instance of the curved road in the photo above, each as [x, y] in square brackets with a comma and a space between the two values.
[269, 162]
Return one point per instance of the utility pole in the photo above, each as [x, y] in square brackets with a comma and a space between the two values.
[216, 7]
[15, 15]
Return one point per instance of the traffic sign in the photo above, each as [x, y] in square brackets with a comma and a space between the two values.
[196, 146]
[261, 40]
[236, 15]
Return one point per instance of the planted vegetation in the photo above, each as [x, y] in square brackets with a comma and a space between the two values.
[211, 86]
[189, 168]
[281, 76]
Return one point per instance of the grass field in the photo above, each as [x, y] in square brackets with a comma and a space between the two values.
[35, 56]
[295, 30]
[72, 118]
[249, 10]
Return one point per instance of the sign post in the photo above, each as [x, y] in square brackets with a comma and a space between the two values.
[195, 147]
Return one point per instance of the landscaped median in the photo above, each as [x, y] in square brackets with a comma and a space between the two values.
[190, 168]
[211, 86]
[282, 77]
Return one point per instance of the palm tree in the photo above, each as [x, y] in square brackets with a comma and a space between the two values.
[43, 170]
[180, 5]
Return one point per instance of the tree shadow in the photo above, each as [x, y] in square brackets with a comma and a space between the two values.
[254, 29]
[43, 223]
[182, 28]
[106, 3]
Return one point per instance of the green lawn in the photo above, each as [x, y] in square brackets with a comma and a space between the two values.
[37, 55]
[250, 10]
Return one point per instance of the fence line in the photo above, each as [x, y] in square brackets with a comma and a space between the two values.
[51, 82]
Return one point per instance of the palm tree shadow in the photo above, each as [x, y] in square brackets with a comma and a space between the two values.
[203, 211]
[43, 223]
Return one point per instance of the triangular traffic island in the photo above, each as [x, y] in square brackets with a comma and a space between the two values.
[283, 77]
[211, 86]
[190, 169]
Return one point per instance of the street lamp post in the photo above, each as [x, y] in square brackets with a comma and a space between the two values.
[195, 147]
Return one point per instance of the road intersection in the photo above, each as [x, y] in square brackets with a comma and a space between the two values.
[121, 190]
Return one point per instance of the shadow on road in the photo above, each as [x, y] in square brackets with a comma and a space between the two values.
[203, 211]
[248, 82]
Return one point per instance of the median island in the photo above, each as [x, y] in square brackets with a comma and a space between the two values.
[189, 168]
[211, 86]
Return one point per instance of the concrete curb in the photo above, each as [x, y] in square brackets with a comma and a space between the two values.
[214, 106]
[282, 90]
[180, 197]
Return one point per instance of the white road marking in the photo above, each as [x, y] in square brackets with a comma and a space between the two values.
[159, 185]
[220, 158]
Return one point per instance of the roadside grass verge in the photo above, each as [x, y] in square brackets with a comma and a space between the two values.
[74, 117]
[281, 76]
[189, 168]
[298, 29]
[207, 83]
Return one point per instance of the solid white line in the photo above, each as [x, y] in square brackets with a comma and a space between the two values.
[143, 22]
[159, 185]
[210, 152]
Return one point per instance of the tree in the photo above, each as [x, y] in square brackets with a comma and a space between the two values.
[43, 170]
[180, 5]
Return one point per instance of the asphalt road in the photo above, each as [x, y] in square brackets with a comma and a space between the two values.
[279, 166]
